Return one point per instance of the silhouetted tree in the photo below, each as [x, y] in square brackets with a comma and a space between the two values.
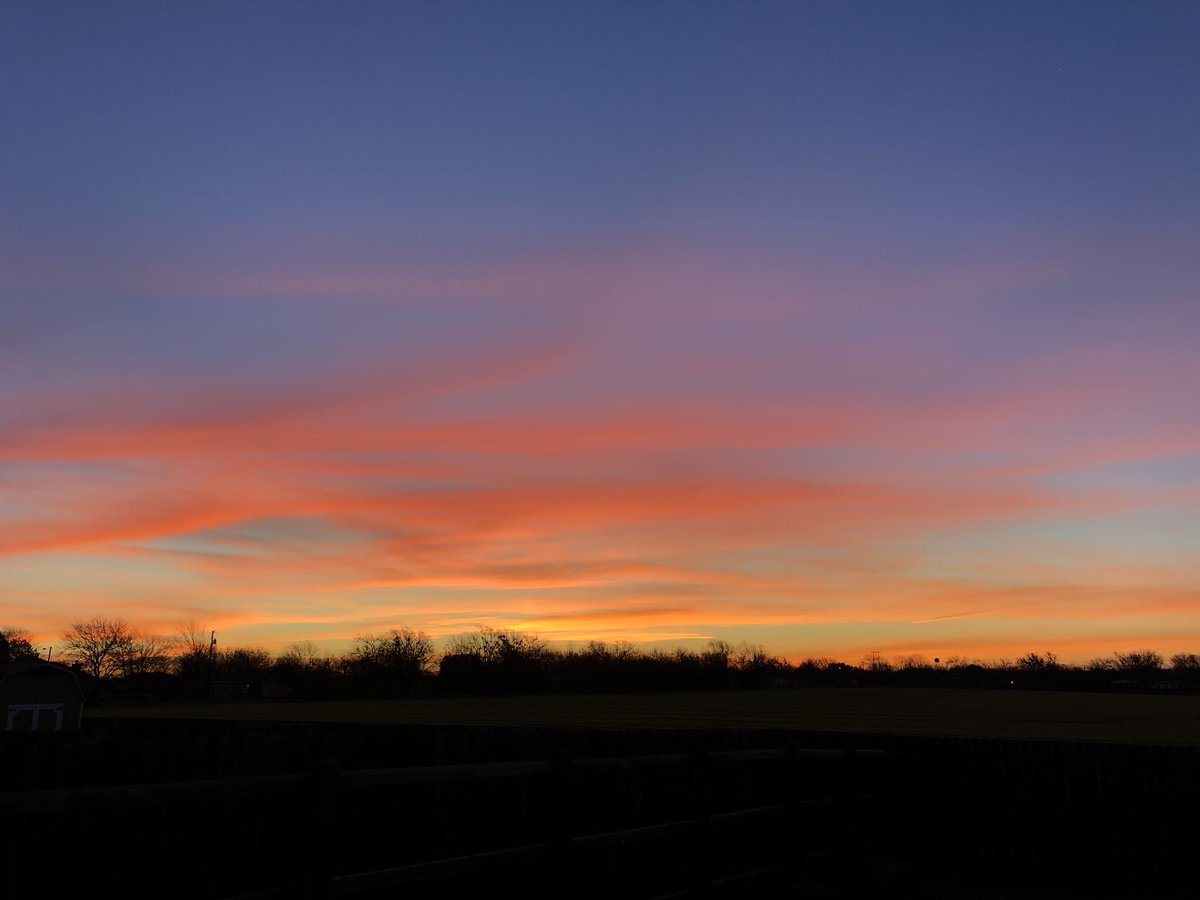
[191, 664]
[746, 656]
[98, 645]
[752, 666]
[394, 662]
[143, 654]
[1185, 667]
[301, 669]
[1140, 662]
[819, 670]
[461, 673]
[300, 655]
[1185, 663]
[188, 637]
[874, 662]
[16, 644]
[400, 650]
[1137, 669]
[192, 661]
[599, 666]
[715, 662]
[506, 660]
[248, 665]
[1040, 663]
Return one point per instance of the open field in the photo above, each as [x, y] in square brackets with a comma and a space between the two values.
[1118, 718]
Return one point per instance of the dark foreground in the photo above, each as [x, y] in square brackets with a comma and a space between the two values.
[209, 809]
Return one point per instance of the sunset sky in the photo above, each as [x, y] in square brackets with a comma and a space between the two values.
[837, 327]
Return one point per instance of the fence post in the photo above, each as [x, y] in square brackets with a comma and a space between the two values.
[702, 864]
[561, 817]
[792, 852]
[321, 844]
[855, 833]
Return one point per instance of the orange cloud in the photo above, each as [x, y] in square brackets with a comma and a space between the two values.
[659, 461]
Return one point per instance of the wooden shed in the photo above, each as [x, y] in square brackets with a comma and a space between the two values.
[36, 695]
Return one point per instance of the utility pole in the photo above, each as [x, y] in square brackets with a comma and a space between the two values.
[212, 660]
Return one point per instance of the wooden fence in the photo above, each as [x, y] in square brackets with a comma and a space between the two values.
[677, 825]
[217, 809]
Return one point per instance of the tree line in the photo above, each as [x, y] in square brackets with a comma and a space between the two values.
[116, 656]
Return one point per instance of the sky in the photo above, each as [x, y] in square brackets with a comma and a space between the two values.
[839, 327]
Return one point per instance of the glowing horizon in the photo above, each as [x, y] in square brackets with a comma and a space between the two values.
[826, 330]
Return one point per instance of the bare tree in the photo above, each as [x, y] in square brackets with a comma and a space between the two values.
[194, 650]
[749, 657]
[144, 654]
[98, 645]
[243, 663]
[1034, 662]
[615, 651]
[717, 653]
[188, 637]
[496, 661]
[1185, 662]
[302, 655]
[400, 651]
[874, 662]
[1139, 663]
[498, 647]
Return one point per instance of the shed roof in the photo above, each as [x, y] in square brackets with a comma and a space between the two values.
[26, 666]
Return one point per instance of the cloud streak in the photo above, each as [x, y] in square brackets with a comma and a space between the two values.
[696, 447]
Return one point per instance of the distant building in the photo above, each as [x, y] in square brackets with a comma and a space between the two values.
[36, 695]
[1167, 686]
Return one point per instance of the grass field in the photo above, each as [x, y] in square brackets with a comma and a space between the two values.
[1120, 718]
